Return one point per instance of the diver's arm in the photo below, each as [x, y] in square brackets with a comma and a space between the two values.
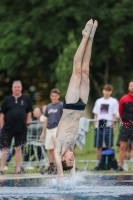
[58, 163]
[72, 172]
[58, 156]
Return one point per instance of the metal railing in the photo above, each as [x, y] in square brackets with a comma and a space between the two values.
[85, 153]
[34, 153]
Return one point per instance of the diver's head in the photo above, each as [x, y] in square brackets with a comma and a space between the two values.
[68, 160]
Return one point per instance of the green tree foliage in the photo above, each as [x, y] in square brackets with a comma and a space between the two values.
[36, 37]
[111, 60]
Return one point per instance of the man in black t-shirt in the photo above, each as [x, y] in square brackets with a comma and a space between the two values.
[15, 117]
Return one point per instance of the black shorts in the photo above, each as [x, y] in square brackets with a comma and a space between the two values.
[126, 132]
[6, 138]
[129, 143]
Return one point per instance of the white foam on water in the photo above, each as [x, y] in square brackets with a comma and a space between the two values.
[68, 182]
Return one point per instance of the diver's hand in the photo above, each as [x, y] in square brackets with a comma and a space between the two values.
[60, 180]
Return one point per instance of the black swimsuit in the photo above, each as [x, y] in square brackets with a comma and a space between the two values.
[80, 105]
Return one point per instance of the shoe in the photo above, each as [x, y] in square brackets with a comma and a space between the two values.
[1, 172]
[97, 168]
[6, 167]
[42, 170]
[50, 170]
[125, 167]
[21, 171]
[120, 169]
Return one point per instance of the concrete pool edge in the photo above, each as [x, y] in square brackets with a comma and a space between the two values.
[37, 175]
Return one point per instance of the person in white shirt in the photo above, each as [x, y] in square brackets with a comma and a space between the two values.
[105, 111]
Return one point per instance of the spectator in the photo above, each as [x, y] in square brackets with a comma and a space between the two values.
[15, 117]
[53, 114]
[126, 128]
[34, 133]
[105, 110]
[38, 115]
[8, 154]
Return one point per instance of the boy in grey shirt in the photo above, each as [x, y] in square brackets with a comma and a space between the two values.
[53, 114]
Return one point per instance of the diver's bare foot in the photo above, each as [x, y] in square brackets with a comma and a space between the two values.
[93, 30]
[88, 27]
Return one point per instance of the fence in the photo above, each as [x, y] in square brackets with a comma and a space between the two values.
[34, 153]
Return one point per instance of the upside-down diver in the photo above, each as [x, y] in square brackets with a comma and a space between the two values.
[75, 101]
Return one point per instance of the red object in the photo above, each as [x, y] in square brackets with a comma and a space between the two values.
[126, 109]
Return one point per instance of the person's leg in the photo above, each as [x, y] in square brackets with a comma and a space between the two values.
[84, 86]
[73, 92]
[128, 150]
[109, 137]
[49, 145]
[98, 142]
[131, 153]
[98, 145]
[51, 155]
[51, 168]
[3, 158]
[5, 142]
[51, 151]
[125, 134]
[99, 150]
[18, 156]
[20, 140]
[127, 156]
[122, 153]
[128, 153]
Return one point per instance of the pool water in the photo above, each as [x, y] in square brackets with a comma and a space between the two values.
[83, 187]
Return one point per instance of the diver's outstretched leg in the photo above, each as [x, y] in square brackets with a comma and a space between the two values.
[84, 86]
[73, 92]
